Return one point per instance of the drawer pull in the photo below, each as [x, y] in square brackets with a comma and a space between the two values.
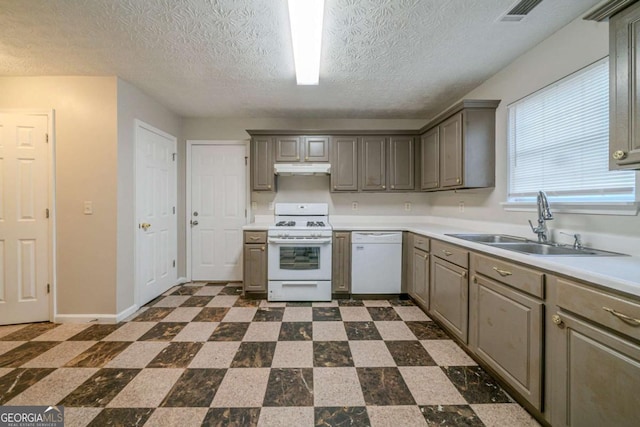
[446, 252]
[628, 319]
[254, 238]
[503, 273]
[262, 249]
[425, 256]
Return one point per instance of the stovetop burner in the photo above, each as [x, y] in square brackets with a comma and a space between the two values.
[285, 224]
[315, 224]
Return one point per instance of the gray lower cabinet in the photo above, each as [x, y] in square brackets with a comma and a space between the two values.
[341, 262]
[595, 369]
[420, 291]
[373, 163]
[506, 325]
[449, 288]
[255, 261]
[624, 128]
[262, 176]
[344, 163]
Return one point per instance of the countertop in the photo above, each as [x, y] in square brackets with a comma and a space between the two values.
[618, 273]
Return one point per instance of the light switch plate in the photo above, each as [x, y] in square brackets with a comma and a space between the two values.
[407, 206]
[354, 206]
[88, 208]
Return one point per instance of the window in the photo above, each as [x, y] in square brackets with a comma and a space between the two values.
[558, 142]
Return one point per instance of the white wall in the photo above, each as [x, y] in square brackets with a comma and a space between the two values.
[573, 47]
[86, 161]
[134, 104]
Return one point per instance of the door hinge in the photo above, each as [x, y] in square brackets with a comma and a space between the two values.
[173, 156]
[46, 138]
[174, 210]
[174, 263]
[48, 288]
[245, 213]
[46, 213]
[245, 160]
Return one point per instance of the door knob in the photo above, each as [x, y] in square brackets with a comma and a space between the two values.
[195, 213]
[145, 226]
[194, 223]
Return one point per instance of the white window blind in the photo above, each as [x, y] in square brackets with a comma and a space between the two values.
[559, 142]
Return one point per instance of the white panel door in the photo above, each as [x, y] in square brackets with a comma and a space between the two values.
[24, 228]
[155, 206]
[218, 211]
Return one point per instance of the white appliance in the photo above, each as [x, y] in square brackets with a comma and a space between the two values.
[300, 253]
[376, 262]
[302, 168]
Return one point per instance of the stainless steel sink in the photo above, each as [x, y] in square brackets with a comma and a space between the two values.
[489, 238]
[522, 245]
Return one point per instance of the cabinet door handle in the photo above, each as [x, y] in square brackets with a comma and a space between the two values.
[628, 319]
[262, 249]
[557, 320]
[457, 180]
[619, 155]
[393, 186]
[474, 279]
[384, 186]
[447, 253]
[464, 274]
[306, 158]
[503, 273]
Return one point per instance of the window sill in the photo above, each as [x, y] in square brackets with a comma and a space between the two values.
[586, 208]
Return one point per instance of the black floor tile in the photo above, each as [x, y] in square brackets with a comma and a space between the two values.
[153, 314]
[176, 355]
[328, 354]
[475, 385]
[18, 380]
[163, 331]
[25, 352]
[383, 313]
[100, 388]
[409, 353]
[361, 331]
[342, 416]
[254, 355]
[427, 330]
[450, 415]
[29, 332]
[232, 331]
[289, 387]
[269, 314]
[211, 314]
[98, 354]
[232, 417]
[195, 388]
[384, 387]
[121, 417]
[197, 301]
[296, 331]
[95, 332]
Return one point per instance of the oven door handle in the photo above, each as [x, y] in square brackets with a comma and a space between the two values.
[300, 241]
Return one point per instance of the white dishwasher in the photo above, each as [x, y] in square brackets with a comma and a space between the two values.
[376, 262]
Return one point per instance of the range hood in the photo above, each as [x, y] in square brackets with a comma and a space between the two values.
[302, 169]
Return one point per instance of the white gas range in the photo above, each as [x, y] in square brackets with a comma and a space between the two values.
[300, 253]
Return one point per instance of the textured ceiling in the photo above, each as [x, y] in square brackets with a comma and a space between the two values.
[231, 58]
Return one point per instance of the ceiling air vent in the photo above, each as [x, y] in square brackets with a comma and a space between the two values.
[520, 10]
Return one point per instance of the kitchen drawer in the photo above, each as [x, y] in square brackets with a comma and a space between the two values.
[516, 276]
[453, 254]
[421, 242]
[255, 237]
[608, 310]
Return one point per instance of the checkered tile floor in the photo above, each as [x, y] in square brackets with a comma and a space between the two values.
[203, 355]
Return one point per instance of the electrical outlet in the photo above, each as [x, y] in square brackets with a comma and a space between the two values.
[461, 207]
[407, 206]
[270, 206]
[88, 208]
[354, 206]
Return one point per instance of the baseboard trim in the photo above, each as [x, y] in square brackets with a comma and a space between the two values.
[96, 318]
[182, 280]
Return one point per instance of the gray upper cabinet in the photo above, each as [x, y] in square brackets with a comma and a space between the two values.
[262, 176]
[401, 163]
[344, 163]
[458, 147]
[293, 149]
[624, 127]
[430, 160]
[288, 149]
[316, 148]
[373, 163]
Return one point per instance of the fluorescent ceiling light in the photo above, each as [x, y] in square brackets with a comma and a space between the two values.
[305, 18]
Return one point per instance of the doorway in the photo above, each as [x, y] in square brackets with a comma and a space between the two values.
[155, 190]
[26, 217]
[216, 208]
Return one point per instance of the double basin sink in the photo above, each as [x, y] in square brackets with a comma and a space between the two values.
[522, 245]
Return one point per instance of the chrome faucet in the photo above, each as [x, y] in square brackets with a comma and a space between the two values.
[544, 214]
